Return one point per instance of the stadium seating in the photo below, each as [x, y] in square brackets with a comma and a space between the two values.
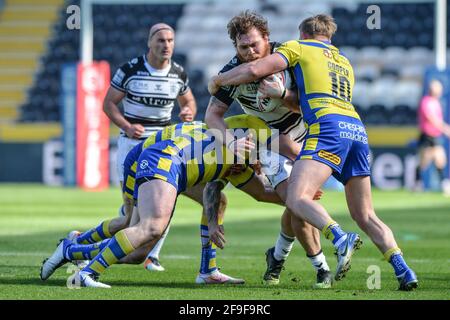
[389, 63]
[121, 32]
[24, 28]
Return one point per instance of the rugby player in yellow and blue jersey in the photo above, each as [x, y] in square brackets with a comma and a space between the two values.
[336, 143]
[174, 159]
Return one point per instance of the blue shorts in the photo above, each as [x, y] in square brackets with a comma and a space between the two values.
[157, 163]
[341, 143]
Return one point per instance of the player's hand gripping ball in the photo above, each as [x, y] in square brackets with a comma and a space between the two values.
[270, 90]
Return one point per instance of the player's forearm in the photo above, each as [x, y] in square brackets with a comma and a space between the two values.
[243, 73]
[214, 119]
[114, 114]
[192, 106]
[291, 101]
[188, 101]
[260, 192]
[211, 201]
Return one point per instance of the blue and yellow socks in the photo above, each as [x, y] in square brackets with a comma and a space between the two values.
[332, 231]
[118, 247]
[85, 251]
[395, 257]
[95, 235]
[208, 261]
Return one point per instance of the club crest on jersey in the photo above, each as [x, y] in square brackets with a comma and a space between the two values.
[327, 53]
[144, 164]
[173, 88]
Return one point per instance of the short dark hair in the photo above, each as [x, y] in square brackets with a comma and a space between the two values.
[321, 24]
[244, 22]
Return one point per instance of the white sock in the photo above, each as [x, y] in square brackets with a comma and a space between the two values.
[319, 261]
[283, 246]
[157, 248]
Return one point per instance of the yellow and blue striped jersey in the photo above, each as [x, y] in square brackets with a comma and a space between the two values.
[324, 78]
[204, 160]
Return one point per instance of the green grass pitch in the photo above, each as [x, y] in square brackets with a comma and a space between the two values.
[34, 217]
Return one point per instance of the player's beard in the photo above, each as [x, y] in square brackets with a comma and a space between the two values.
[265, 52]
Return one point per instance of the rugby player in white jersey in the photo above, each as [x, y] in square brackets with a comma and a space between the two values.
[250, 36]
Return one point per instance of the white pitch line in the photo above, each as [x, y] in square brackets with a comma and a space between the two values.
[188, 257]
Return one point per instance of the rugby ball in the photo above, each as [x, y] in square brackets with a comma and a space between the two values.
[281, 79]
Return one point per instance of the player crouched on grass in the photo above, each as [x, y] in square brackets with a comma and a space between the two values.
[175, 139]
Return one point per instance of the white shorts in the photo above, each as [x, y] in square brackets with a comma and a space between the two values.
[276, 167]
[124, 145]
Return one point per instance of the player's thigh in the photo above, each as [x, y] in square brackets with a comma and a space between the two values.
[156, 201]
[134, 217]
[306, 178]
[124, 145]
[439, 156]
[426, 155]
[128, 205]
[195, 193]
[288, 147]
[282, 190]
[358, 194]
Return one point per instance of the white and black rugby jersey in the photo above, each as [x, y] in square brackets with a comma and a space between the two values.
[280, 118]
[150, 93]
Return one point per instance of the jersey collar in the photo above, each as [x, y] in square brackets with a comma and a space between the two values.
[154, 71]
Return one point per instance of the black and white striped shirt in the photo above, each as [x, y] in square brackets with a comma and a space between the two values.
[150, 93]
[281, 118]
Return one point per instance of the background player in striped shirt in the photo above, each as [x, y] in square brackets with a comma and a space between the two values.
[148, 87]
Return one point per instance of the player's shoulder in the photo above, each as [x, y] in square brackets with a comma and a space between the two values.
[176, 67]
[135, 63]
[290, 43]
[232, 63]
[274, 45]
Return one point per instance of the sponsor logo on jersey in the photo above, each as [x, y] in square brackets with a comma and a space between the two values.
[143, 164]
[151, 101]
[330, 157]
[251, 88]
[118, 77]
[327, 53]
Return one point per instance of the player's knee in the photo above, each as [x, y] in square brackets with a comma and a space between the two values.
[147, 231]
[294, 204]
[154, 232]
[363, 219]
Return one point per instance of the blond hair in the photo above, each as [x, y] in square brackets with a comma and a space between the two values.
[318, 25]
